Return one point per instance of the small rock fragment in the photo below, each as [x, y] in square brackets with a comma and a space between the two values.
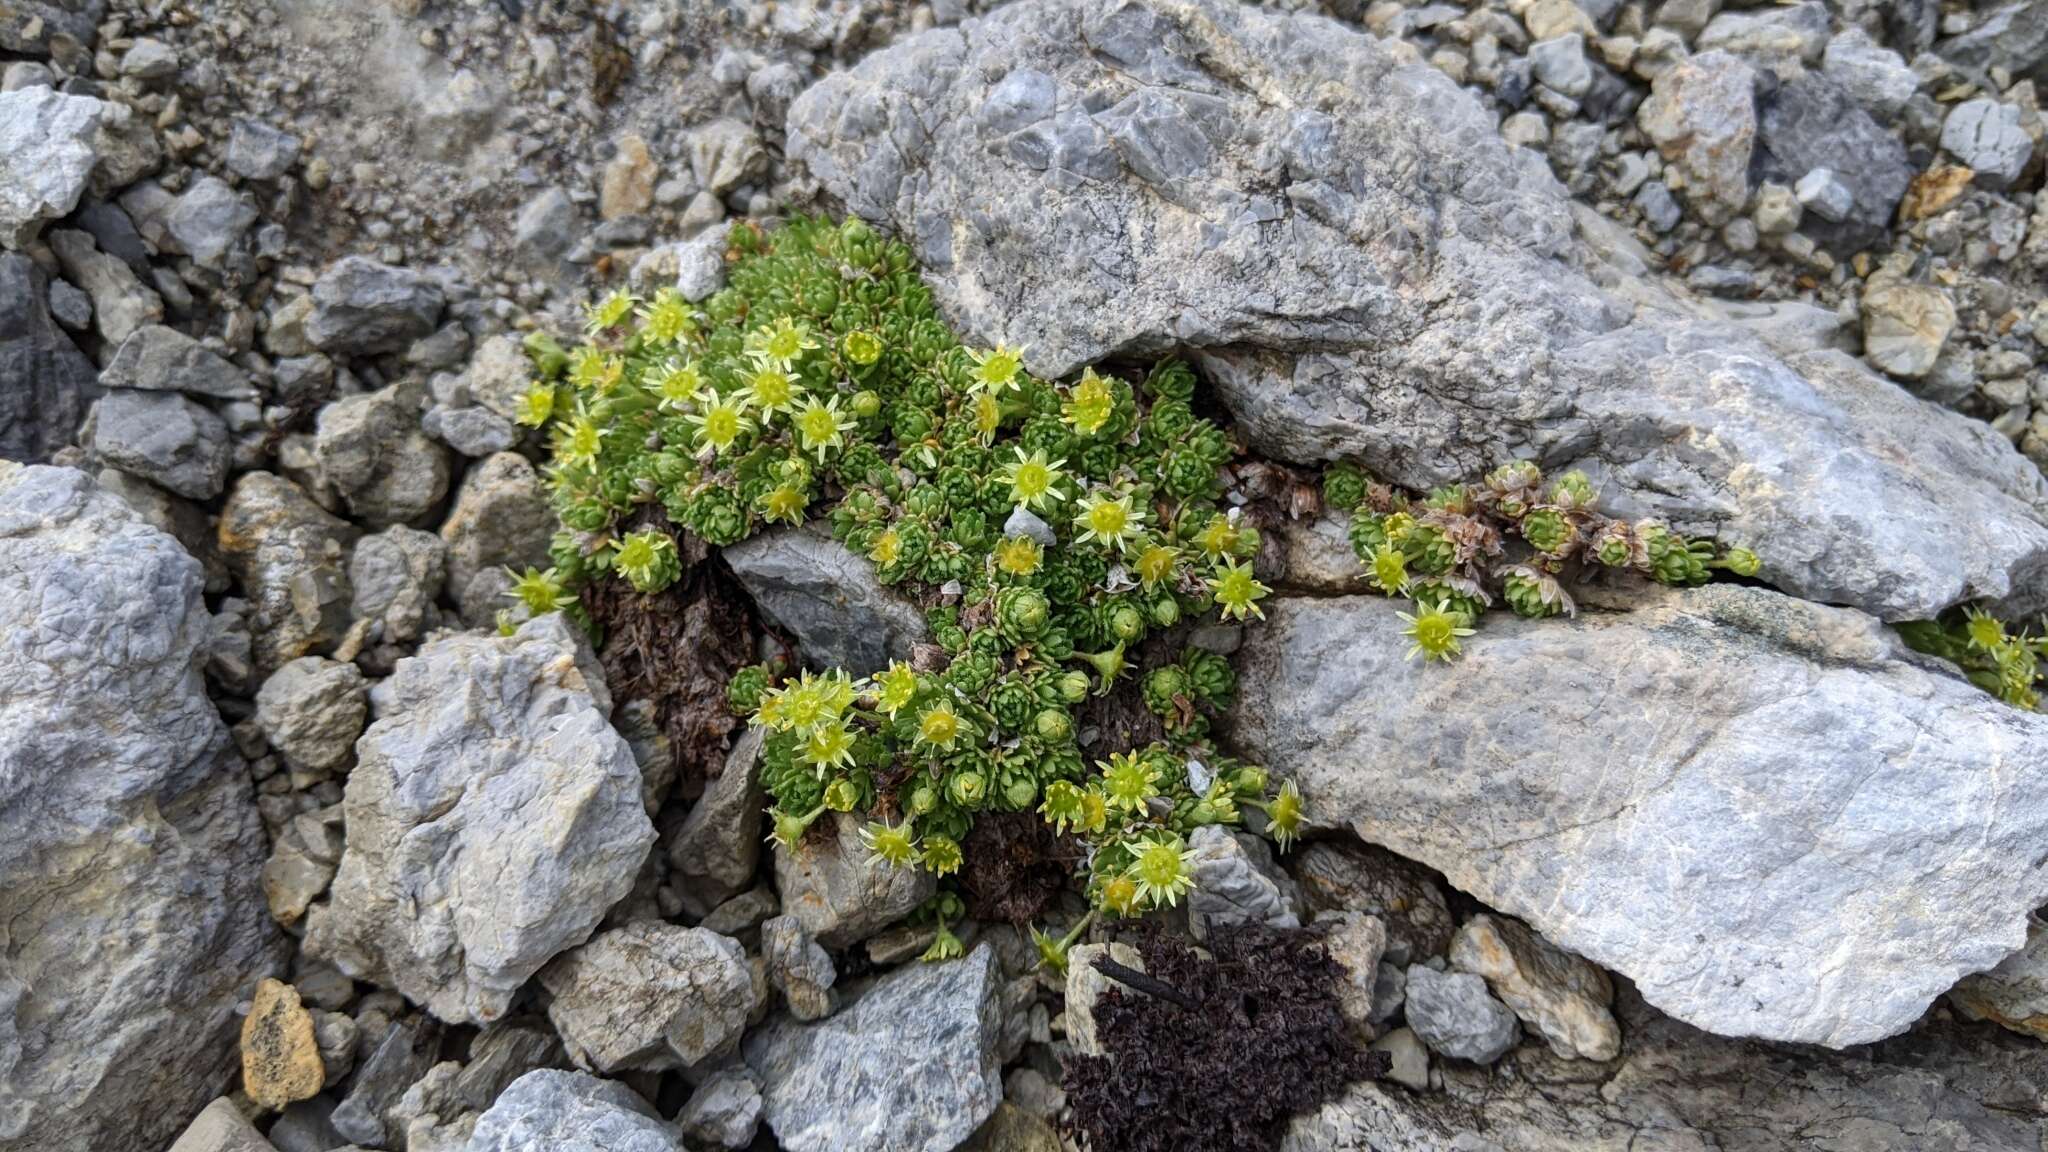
[280, 1058]
[1454, 1014]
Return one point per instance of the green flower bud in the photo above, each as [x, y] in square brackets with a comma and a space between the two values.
[1073, 686]
[1055, 725]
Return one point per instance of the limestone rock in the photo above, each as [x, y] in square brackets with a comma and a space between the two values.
[494, 817]
[1946, 1086]
[395, 1063]
[911, 1067]
[1860, 827]
[397, 576]
[129, 841]
[649, 996]
[1454, 1015]
[50, 382]
[291, 556]
[1559, 996]
[311, 710]
[828, 598]
[164, 438]
[713, 855]
[2014, 994]
[724, 1111]
[1810, 122]
[997, 148]
[46, 157]
[1344, 876]
[839, 891]
[1356, 942]
[1085, 985]
[280, 1058]
[220, 1128]
[555, 1111]
[164, 359]
[501, 519]
[372, 449]
[362, 308]
[1905, 325]
[1237, 883]
[1702, 116]
[798, 968]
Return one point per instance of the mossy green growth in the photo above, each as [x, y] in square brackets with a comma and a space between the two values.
[1048, 527]
[1509, 538]
[2003, 663]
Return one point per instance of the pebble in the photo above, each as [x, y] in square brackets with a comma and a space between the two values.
[1823, 194]
[1985, 135]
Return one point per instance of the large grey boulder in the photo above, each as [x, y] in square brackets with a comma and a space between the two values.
[912, 1067]
[1946, 1087]
[1768, 814]
[828, 598]
[45, 381]
[1368, 271]
[494, 816]
[548, 1110]
[129, 840]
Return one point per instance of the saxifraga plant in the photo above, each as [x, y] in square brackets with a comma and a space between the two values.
[1047, 527]
[1512, 538]
[1995, 659]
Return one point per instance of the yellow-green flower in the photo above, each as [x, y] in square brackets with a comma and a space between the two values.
[1127, 781]
[1155, 564]
[667, 319]
[862, 347]
[780, 344]
[647, 560]
[1435, 631]
[1218, 536]
[582, 442]
[770, 389]
[896, 847]
[1066, 803]
[939, 726]
[1120, 894]
[1238, 592]
[594, 370]
[609, 311]
[1284, 816]
[1034, 481]
[1163, 869]
[988, 416]
[719, 420]
[1390, 569]
[806, 702]
[830, 745]
[998, 369]
[676, 383]
[821, 427]
[1985, 631]
[1107, 518]
[1019, 555]
[887, 548]
[541, 592]
[783, 504]
[941, 854]
[1091, 404]
[537, 404]
[895, 688]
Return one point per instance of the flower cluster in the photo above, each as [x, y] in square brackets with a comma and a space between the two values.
[1048, 528]
[2004, 664]
[1511, 537]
